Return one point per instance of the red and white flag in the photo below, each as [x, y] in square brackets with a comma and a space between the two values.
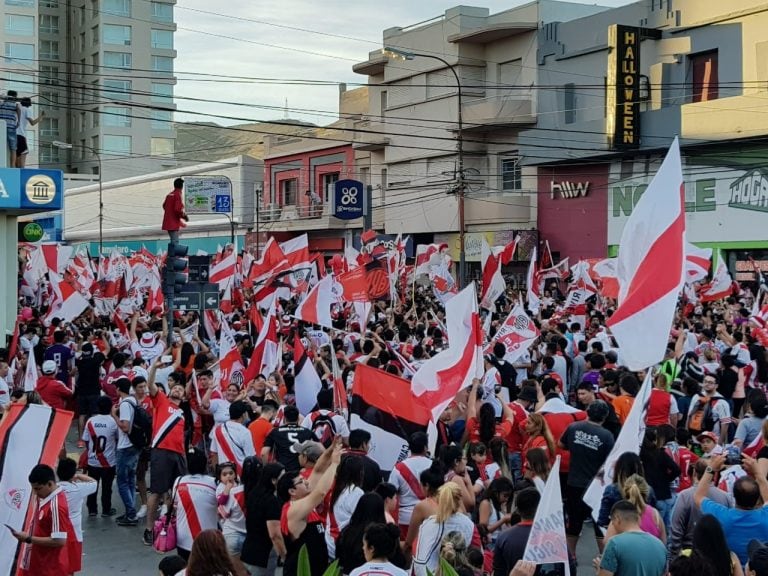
[264, 358]
[443, 282]
[223, 272]
[316, 307]
[443, 376]
[517, 333]
[429, 254]
[57, 256]
[30, 374]
[340, 399]
[605, 270]
[721, 285]
[67, 303]
[225, 304]
[532, 285]
[698, 261]
[30, 434]
[651, 267]
[155, 299]
[306, 379]
[272, 261]
[493, 282]
[231, 366]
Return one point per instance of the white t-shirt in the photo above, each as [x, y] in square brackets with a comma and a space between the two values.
[342, 428]
[338, 519]
[24, 116]
[408, 500]
[233, 512]
[76, 493]
[148, 353]
[219, 410]
[194, 494]
[102, 449]
[232, 439]
[5, 393]
[378, 569]
[126, 413]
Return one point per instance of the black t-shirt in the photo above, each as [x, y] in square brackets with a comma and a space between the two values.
[763, 453]
[280, 440]
[260, 508]
[727, 382]
[589, 445]
[88, 373]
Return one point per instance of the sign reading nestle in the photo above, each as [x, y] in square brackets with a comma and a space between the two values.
[623, 96]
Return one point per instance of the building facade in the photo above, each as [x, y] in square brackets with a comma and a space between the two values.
[414, 117]
[103, 72]
[624, 83]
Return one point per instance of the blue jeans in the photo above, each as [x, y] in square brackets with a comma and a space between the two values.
[127, 462]
[665, 509]
[515, 462]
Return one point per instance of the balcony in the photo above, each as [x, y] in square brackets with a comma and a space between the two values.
[303, 217]
[725, 118]
[507, 110]
[372, 136]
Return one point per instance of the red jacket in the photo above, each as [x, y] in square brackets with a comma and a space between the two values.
[53, 392]
[173, 211]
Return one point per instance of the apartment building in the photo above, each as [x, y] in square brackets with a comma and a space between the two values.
[103, 72]
[471, 65]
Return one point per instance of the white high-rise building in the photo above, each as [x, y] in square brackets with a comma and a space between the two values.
[103, 72]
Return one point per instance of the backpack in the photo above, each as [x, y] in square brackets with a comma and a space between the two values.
[140, 433]
[701, 419]
[323, 428]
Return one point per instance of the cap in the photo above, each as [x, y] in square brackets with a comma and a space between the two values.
[528, 394]
[310, 449]
[138, 371]
[758, 557]
[711, 435]
[49, 367]
[237, 325]
[147, 339]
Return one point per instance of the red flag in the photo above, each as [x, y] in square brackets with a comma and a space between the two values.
[264, 355]
[316, 307]
[230, 363]
[353, 286]
[721, 285]
[546, 257]
[121, 326]
[67, 304]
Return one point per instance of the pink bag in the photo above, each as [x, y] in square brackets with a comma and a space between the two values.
[164, 532]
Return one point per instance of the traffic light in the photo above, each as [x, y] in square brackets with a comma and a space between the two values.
[176, 265]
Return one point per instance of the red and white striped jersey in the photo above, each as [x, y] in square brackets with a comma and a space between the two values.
[231, 509]
[405, 477]
[101, 434]
[232, 442]
[196, 508]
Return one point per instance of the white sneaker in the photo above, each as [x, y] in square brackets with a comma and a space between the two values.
[142, 513]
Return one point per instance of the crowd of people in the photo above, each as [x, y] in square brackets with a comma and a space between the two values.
[236, 481]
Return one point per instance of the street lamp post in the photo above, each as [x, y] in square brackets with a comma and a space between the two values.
[460, 185]
[69, 146]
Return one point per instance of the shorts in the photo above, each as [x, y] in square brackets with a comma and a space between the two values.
[11, 137]
[577, 512]
[165, 467]
[21, 145]
[235, 541]
[87, 405]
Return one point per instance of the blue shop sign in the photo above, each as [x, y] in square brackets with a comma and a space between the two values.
[27, 190]
[348, 199]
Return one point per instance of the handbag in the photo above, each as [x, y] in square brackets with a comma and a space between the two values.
[164, 529]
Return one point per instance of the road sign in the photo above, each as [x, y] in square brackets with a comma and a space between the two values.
[210, 300]
[187, 300]
[198, 268]
[208, 195]
[348, 199]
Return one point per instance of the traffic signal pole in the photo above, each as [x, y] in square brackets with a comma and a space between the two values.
[174, 278]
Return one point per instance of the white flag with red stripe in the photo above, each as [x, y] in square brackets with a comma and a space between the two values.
[532, 285]
[30, 374]
[443, 376]
[306, 379]
[697, 262]
[67, 303]
[429, 255]
[721, 285]
[517, 333]
[493, 282]
[264, 359]
[231, 366]
[223, 271]
[651, 267]
[316, 307]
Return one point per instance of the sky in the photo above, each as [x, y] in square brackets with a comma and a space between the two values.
[286, 39]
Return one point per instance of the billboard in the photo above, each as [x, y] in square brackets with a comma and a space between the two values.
[208, 195]
[622, 122]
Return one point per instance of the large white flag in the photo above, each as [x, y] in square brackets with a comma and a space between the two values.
[517, 333]
[651, 267]
[532, 285]
[546, 541]
[316, 307]
[629, 440]
[30, 374]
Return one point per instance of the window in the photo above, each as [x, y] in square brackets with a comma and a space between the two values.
[118, 59]
[511, 177]
[82, 42]
[22, 83]
[162, 93]
[328, 182]
[49, 98]
[114, 34]
[95, 62]
[49, 127]
[15, 51]
[569, 103]
[49, 75]
[49, 154]
[509, 72]
[95, 114]
[383, 97]
[162, 146]
[116, 7]
[95, 35]
[49, 24]
[703, 73]
[288, 189]
[162, 12]
[162, 120]
[83, 122]
[18, 25]
[162, 39]
[49, 4]
[117, 116]
[117, 89]
[24, 3]
[114, 144]
[162, 64]
[95, 143]
[49, 50]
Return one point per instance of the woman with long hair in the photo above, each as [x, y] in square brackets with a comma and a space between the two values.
[495, 510]
[536, 468]
[431, 480]
[755, 411]
[453, 549]
[209, 556]
[349, 544]
[636, 490]
[450, 517]
[455, 463]
[660, 470]
[481, 424]
[539, 436]
[499, 465]
[345, 495]
[626, 465]
[709, 541]
[380, 544]
[264, 542]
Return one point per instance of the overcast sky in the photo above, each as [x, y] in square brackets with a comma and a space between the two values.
[259, 38]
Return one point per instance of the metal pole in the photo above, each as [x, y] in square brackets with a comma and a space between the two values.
[101, 205]
[258, 211]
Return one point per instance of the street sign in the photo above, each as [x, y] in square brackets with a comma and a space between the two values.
[211, 300]
[197, 296]
[187, 300]
[198, 268]
[348, 199]
[208, 195]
